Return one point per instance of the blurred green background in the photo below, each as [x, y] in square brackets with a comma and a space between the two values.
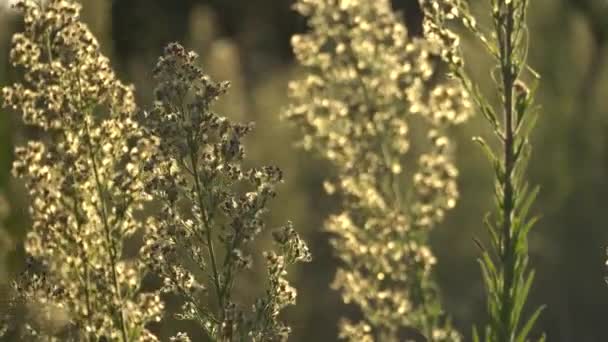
[247, 42]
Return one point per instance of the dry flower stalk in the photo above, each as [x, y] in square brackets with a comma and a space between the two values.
[505, 265]
[366, 84]
[84, 178]
[212, 209]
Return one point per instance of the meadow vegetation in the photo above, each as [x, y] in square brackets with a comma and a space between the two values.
[132, 205]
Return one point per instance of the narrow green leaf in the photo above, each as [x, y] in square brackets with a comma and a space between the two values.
[521, 298]
[486, 149]
[523, 210]
[528, 326]
[526, 228]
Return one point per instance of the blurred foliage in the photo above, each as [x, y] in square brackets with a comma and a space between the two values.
[247, 42]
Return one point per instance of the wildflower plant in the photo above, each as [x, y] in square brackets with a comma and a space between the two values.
[212, 209]
[85, 179]
[504, 265]
[366, 84]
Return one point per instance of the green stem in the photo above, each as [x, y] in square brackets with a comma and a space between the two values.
[208, 233]
[108, 236]
[507, 253]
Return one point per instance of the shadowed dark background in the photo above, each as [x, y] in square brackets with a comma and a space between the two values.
[247, 42]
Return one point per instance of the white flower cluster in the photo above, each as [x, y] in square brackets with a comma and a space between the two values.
[85, 178]
[367, 85]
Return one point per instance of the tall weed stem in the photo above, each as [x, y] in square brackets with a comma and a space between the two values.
[505, 268]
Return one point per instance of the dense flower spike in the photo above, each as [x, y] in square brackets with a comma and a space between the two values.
[366, 85]
[212, 208]
[506, 274]
[85, 179]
